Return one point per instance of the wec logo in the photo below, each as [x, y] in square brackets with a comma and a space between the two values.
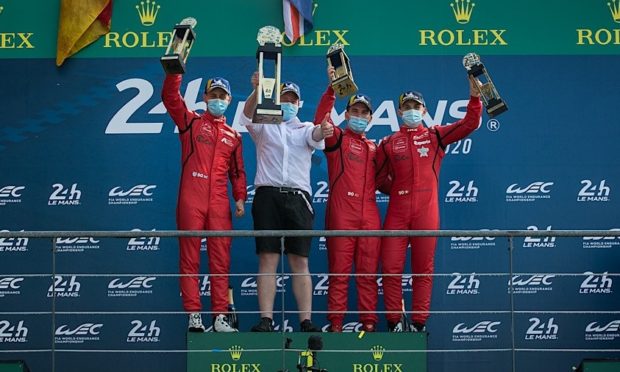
[613, 326]
[607, 332]
[10, 283]
[486, 329]
[138, 190]
[137, 282]
[11, 191]
[81, 330]
[532, 192]
[533, 188]
[10, 194]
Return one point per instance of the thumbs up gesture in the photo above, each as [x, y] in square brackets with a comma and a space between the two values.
[327, 128]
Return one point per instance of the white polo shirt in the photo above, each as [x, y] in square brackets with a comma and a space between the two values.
[283, 152]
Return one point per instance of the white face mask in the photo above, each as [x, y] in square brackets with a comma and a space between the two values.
[413, 117]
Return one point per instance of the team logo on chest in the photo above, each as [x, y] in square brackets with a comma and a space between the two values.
[356, 147]
[423, 151]
[400, 145]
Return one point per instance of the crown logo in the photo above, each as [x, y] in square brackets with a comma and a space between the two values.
[148, 12]
[235, 352]
[462, 10]
[377, 352]
[614, 7]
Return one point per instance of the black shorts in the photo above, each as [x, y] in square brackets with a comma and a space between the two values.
[282, 208]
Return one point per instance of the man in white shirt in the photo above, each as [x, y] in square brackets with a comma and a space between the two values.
[282, 200]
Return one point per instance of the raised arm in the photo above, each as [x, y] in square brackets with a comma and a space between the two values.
[464, 127]
[174, 103]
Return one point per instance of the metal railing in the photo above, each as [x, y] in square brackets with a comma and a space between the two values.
[509, 234]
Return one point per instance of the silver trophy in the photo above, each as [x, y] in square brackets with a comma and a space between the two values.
[493, 103]
[268, 109]
[342, 81]
[179, 47]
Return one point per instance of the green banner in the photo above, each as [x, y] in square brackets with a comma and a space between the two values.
[142, 28]
[342, 352]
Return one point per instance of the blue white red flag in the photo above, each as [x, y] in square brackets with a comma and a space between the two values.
[297, 18]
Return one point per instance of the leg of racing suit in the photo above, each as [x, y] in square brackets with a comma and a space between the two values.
[189, 218]
[218, 250]
[422, 262]
[393, 254]
[340, 252]
[367, 262]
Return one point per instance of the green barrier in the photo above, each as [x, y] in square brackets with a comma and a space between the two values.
[599, 365]
[268, 352]
[13, 366]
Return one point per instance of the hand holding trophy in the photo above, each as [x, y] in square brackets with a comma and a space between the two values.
[268, 109]
[179, 47]
[493, 103]
[342, 80]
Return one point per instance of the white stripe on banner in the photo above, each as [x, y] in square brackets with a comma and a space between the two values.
[286, 10]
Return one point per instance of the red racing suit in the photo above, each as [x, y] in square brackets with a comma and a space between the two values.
[351, 205]
[412, 157]
[211, 152]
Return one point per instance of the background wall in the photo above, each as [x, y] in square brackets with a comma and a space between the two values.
[89, 146]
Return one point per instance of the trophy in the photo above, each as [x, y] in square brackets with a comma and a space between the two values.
[342, 81]
[493, 104]
[268, 109]
[178, 49]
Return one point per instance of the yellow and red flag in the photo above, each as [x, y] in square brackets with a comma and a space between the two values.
[81, 23]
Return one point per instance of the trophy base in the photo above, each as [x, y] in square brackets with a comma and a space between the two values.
[344, 86]
[496, 107]
[267, 114]
[173, 64]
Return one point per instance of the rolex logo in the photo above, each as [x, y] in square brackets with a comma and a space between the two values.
[462, 10]
[614, 7]
[147, 10]
[377, 352]
[235, 352]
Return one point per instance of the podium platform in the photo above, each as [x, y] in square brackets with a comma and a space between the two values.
[271, 352]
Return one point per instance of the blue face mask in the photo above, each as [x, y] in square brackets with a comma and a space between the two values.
[289, 111]
[357, 124]
[217, 107]
[412, 118]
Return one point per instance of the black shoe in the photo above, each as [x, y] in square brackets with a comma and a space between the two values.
[307, 326]
[395, 327]
[418, 327]
[265, 325]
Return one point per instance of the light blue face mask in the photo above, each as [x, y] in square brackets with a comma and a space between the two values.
[412, 118]
[217, 107]
[289, 111]
[357, 124]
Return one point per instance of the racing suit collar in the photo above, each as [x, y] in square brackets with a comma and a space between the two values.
[406, 129]
[218, 121]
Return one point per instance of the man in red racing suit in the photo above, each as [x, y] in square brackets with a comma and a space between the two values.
[351, 206]
[211, 152]
[409, 162]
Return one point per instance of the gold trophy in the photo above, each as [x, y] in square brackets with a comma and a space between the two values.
[268, 109]
[178, 49]
[342, 81]
[493, 103]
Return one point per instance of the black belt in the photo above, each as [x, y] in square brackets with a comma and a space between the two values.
[284, 190]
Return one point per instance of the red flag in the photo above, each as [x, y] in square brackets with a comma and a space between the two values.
[81, 23]
[297, 18]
